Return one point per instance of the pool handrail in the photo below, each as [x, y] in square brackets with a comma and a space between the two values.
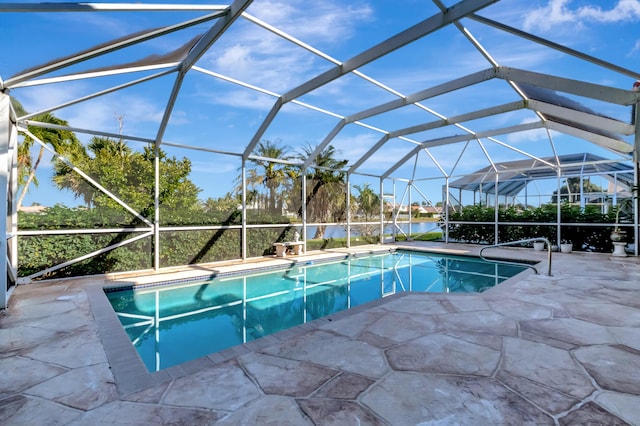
[527, 240]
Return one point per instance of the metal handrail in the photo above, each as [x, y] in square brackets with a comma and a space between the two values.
[528, 240]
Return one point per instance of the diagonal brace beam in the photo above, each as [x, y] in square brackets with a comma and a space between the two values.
[429, 25]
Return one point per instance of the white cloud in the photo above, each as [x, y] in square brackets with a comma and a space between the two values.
[623, 11]
[636, 48]
[324, 22]
[102, 23]
[98, 113]
[241, 99]
[526, 137]
[252, 54]
[558, 13]
[39, 98]
[354, 147]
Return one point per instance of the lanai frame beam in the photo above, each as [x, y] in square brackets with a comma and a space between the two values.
[401, 39]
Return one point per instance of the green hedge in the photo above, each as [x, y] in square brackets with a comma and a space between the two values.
[36, 253]
[586, 238]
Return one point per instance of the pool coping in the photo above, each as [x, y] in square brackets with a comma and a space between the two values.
[129, 371]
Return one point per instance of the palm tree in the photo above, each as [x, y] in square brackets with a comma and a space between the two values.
[268, 173]
[326, 201]
[63, 142]
[368, 201]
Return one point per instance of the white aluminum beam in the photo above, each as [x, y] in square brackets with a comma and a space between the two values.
[462, 151]
[369, 153]
[486, 154]
[276, 160]
[335, 62]
[85, 131]
[487, 112]
[480, 48]
[576, 87]
[584, 118]
[440, 89]
[424, 94]
[263, 128]
[5, 167]
[231, 13]
[519, 151]
[474, 115]
[126, 137]
[616, 145]
[12, 218]
[86, 177]
[555, 46]
[326, 141]
[289, 38]
[98, 94]
[82, 231]
[421, 29]
[96, 74]
[429, 25]
[29, 278]
[265, 91]
[462, 138]
[105, 7]
[102, 50]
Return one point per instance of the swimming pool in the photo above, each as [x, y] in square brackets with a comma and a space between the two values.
[174, 323]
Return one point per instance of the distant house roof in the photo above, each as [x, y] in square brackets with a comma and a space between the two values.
[514, 175]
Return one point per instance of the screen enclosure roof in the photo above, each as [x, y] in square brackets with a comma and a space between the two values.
[403, 90]
[513, 176]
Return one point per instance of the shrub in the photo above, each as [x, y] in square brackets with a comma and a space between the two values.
[586, 238]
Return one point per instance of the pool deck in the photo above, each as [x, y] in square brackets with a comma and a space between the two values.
[536, 350]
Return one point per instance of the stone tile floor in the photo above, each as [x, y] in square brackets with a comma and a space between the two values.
[534, 350]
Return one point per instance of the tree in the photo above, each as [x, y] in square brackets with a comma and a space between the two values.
[570, 191]
[368, 201]
[368, 207]
[228, 203]
[63, 142]
[268, 173]
[129, 175]
[326, 200]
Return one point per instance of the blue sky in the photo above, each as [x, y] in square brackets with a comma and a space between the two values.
[218, 114]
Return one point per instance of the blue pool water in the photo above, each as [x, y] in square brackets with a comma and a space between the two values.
[171, 324]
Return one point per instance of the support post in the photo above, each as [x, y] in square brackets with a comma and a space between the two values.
[409, 208]
[243, 232]
[348, 204]
[495, 213]
[636, 174]
[394, 216]
[559, 209]
[446, 209]
[303, 172]
[5, 167]
[382, 213]
[12, 247]
[156, 207]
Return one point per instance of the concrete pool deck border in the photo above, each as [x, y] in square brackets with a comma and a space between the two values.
[577, 333]
[128, 369]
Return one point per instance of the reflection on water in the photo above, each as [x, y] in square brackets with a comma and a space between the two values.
[169, 325]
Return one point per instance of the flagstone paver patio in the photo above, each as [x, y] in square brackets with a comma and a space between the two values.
[534, 350]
